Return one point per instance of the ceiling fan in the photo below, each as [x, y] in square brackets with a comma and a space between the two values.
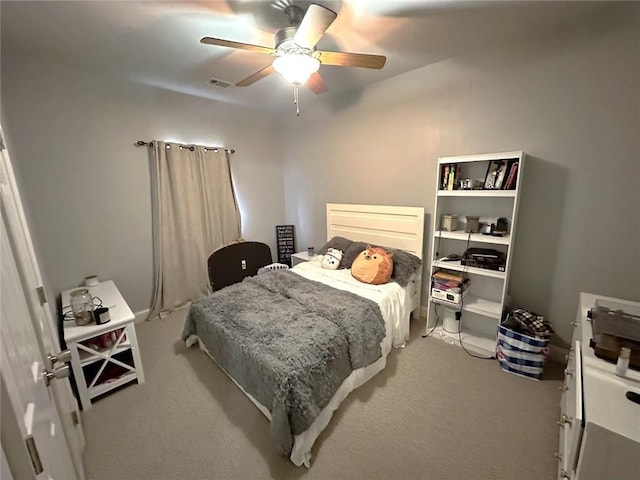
[297, 59]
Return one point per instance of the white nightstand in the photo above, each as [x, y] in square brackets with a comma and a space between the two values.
[103, 357]
[300, 257]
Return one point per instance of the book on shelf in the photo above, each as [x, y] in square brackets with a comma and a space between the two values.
[454, 174]
[444, 179]
[447, 275]
[512, 176]
[449, 175]
[446, 280]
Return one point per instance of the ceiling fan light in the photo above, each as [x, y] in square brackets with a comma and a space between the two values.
[296, 68]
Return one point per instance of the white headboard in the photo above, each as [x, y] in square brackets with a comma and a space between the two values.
[389, 226]
[393, 227]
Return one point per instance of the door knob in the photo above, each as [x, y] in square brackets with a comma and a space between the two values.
[62, 357]
[60, 372]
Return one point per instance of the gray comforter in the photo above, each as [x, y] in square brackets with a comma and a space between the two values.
[288, 341]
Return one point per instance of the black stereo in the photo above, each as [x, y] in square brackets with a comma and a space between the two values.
[484, 258]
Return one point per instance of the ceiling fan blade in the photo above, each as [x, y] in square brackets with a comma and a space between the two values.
[316, 83]
[344, 59]
[313, 25]
[231, 44]
[256, 76]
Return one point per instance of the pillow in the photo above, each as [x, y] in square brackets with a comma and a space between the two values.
[373, 265]
[351, 253]
[339, 243]
[331, 259]
[405, 264]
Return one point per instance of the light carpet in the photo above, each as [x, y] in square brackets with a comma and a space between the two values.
[433, 413]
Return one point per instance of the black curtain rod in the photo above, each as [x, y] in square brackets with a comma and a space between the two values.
[141, 143]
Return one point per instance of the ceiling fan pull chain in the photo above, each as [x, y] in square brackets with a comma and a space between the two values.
[295, 99]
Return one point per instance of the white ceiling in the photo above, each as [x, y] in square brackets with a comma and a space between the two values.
[157, 42]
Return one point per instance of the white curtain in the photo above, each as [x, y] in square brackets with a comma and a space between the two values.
[195, 212]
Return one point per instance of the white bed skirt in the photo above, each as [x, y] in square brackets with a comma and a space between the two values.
[301, 452]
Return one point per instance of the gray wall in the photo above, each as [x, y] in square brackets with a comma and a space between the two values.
[86, 187]
[568, 97]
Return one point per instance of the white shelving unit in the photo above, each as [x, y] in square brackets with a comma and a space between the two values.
[485, 302]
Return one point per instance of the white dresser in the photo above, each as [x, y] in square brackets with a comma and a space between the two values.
[599, 426]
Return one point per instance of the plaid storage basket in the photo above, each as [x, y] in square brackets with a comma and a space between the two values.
[521, 354]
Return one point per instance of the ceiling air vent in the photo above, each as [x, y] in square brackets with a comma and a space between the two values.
[219, 83]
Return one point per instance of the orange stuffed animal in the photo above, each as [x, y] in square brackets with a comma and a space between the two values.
[373, 265]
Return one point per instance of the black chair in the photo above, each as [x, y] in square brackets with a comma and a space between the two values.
[231, 264]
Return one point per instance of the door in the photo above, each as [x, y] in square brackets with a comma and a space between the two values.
[46, 336]
[23, 382]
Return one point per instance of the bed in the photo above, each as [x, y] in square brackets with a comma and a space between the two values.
[336, 334]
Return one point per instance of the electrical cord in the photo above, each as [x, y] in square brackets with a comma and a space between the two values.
[435, 306]
[459, 313]
[435, 309]
[67, 313]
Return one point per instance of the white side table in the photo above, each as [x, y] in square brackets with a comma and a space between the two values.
[103, 357]
[300, 257]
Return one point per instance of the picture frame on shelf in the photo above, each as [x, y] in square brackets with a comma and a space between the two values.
[496, 173]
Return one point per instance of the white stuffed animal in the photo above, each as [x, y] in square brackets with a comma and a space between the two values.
[331, 259]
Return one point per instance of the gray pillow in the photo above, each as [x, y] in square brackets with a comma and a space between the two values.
[351, 253]
[405, 264]
[339, 243]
